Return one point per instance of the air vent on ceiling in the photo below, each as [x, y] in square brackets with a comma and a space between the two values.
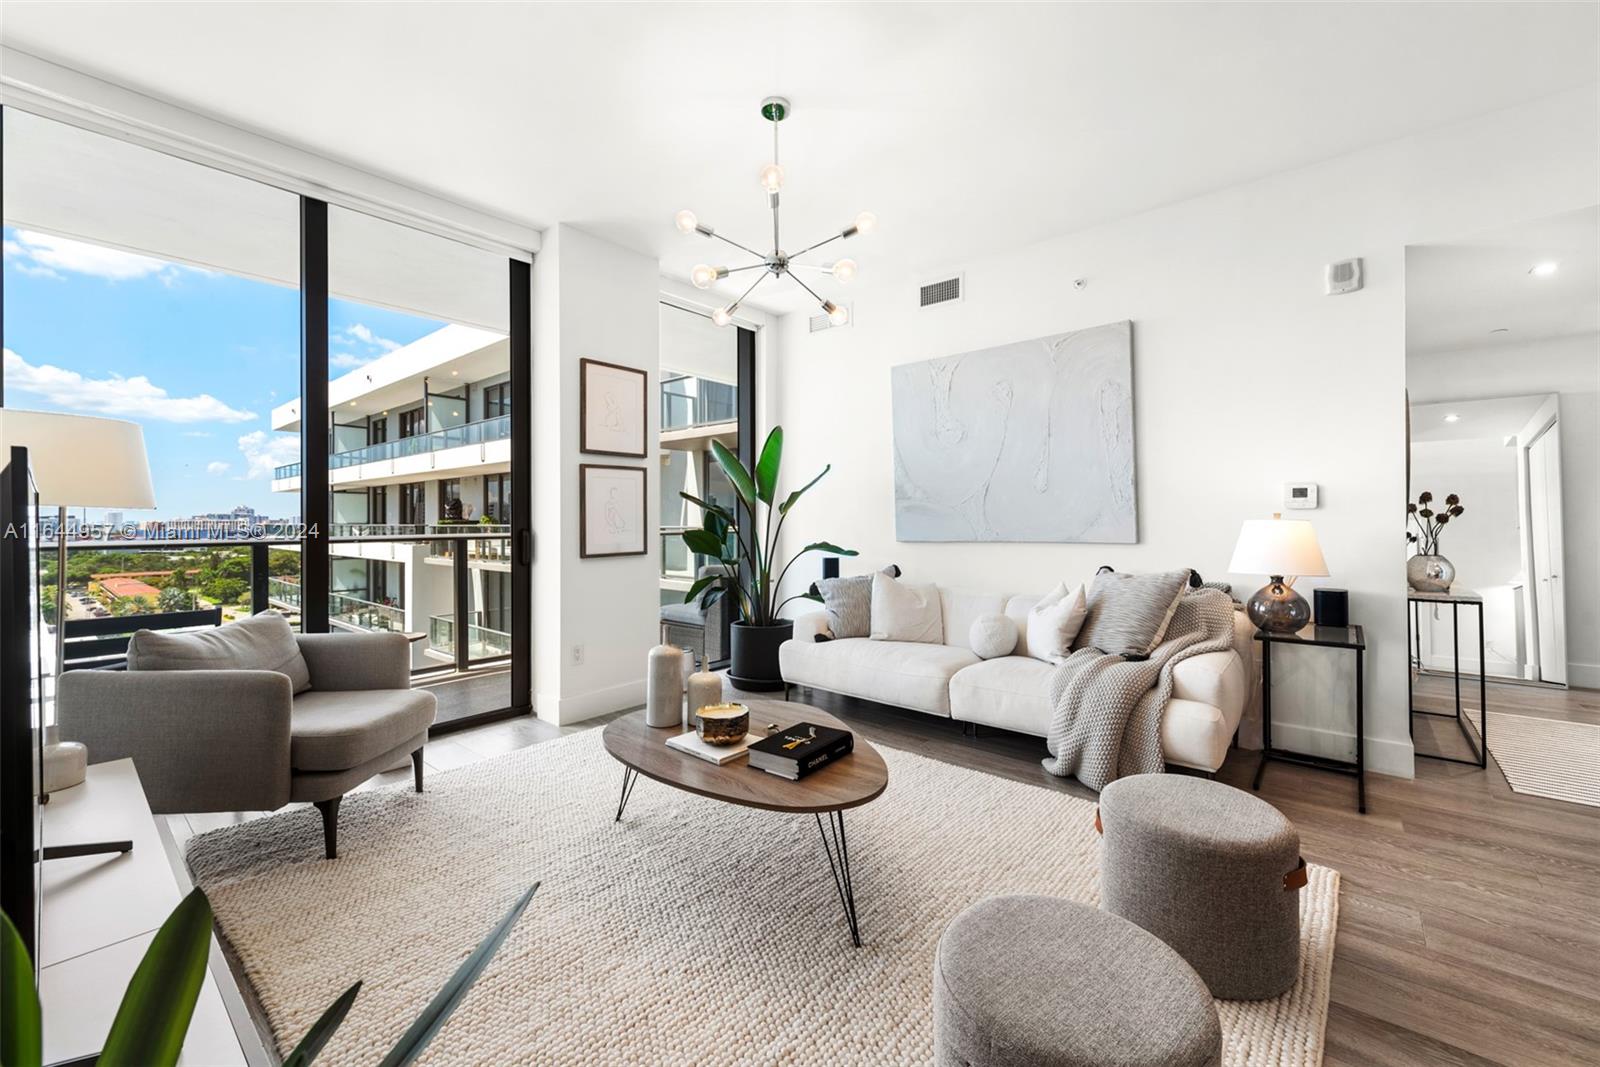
[943, 291]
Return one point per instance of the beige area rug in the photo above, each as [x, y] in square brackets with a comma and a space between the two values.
[1550, 758]
[693, 932]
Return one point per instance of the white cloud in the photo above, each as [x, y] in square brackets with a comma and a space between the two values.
[44, 254]
[349, 360]
[361, 333]
[136, 398]
[263, 451]
[216, 468]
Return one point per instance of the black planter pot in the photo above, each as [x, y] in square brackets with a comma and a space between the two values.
[755, 655]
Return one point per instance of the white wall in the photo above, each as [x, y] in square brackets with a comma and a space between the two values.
[1570, 368]
[1246, 377]
[590, 299]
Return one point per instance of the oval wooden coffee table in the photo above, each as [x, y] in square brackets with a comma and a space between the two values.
[848, 783]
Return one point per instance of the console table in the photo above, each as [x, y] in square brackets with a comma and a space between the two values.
[1339, 637]
[1480, 748]
[101, 912]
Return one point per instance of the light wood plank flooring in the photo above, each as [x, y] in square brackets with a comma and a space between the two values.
[1469, 927]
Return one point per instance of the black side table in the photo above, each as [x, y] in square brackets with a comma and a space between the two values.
[1479, 748]
[1349, 637]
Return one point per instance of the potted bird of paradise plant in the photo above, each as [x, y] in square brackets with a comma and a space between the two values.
[745, 545]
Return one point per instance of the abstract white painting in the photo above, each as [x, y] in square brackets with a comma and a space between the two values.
[1031, 441]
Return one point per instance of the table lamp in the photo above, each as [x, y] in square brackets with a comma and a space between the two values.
[1277, 547]
[78, 461]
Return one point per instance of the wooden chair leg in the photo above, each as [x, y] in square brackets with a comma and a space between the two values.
[416, 768]
[330, 826]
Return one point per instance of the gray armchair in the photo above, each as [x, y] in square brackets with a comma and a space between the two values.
[703, 631]
[207, 736]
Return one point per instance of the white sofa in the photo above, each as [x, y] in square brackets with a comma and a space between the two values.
[1210, 692]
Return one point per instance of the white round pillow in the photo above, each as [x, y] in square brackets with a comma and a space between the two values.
[992, 635]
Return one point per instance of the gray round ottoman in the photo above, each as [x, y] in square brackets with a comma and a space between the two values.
[1030, 981]
[1211, 870]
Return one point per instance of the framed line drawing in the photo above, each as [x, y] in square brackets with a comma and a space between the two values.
[613, 417]
[612, 510]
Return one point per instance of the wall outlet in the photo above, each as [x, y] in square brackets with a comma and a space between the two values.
[577, 655]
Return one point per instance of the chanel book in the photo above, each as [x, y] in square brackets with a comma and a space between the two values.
[801, 749]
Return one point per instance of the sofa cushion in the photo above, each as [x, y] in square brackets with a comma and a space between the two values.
[848, 603]
[333, 731]
[962, 609]
[905, 674]
[906, 611]
[1016, 609]
[1129, 613]
[992, 636]
[261, 642]
[1054, 622]
[1013, 693]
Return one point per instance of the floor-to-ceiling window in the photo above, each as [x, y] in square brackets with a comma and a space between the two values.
[147, 287]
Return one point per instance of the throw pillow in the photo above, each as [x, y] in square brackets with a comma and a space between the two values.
[1054, 622]
[1129, 613]
[902, 611]
[992, 636]
[848, 602]
[260, 643]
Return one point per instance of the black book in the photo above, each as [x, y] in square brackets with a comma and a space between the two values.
[801, 749]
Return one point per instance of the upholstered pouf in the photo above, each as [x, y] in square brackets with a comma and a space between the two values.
[1211, 870]
[1028, 981]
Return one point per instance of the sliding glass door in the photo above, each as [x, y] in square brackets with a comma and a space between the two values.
[334, 406]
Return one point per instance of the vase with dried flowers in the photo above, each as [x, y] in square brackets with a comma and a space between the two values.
[1428, 571]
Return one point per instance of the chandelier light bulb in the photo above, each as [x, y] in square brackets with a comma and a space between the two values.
[845, 271]
[866, 222]
[703, 276]
[722, 316]
[772, 177]
[686, 220]
[837, 315]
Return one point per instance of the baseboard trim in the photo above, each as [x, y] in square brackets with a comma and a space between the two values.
[1384, 756]
[1583, 675]
[1498, 668]
[566, 710]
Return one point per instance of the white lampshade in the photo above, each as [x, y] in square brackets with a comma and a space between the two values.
[81, 461]
[1285, 547]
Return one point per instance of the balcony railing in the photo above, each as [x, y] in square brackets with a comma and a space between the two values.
[470, 433]
[482, 642]
[421, 531]
[343, 606]
[284, 591]
[688, 401]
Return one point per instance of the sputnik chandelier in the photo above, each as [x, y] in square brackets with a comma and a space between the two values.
[777, 263]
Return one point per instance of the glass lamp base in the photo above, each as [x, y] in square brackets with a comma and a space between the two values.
[1278, 609]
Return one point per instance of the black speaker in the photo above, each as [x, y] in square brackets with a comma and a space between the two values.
[1330, 607]
[830, 566]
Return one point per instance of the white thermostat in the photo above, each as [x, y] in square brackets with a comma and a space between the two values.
[1300, 495]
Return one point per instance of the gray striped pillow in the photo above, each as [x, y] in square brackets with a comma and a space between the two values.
[848, 602]
[1129, 613]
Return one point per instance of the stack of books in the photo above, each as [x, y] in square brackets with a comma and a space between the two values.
[801, 749]
[691, 745]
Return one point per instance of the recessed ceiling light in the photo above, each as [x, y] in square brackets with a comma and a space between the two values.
[1543, 270]
[454, 373]
[1452, 417]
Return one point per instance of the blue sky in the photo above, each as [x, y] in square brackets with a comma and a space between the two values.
[198, 358]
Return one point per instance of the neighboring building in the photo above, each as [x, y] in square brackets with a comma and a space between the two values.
[124, 588]
[421, 443]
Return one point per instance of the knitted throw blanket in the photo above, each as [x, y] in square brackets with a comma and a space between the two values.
[1106, 710]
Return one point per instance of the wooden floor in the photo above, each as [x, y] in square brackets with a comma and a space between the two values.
[1469, 926]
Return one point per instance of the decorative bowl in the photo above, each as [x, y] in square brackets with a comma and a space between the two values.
[722, 724]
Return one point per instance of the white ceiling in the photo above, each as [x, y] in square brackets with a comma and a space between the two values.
[1494, 419]
[966, 127]
[1461, 294]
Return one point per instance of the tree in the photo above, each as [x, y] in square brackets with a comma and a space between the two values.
[175, 599]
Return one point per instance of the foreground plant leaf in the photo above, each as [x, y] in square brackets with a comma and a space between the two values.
[21, 1031]
[156, 1008]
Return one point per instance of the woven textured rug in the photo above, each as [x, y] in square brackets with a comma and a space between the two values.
[1550, 758]
[693, 932]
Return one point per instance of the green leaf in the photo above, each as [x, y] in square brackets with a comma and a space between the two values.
[159, 1002]
[824, 546]
[21, 1031]
[322, 1030]
[736, 473]
[437, 1013]
[767, 466]
[699, 587]
[789, 502]
[703, 541]
[705, 505]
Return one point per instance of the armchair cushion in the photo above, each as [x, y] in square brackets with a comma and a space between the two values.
[260, 643]
[334, 731]
[344, 660]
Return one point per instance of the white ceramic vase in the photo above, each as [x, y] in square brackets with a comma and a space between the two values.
[663, 698]
[705, 687]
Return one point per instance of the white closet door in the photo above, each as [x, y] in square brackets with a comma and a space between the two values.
[1544, 506]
